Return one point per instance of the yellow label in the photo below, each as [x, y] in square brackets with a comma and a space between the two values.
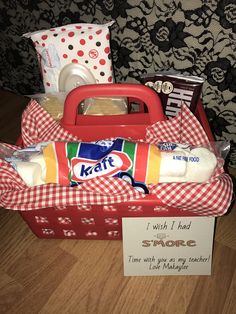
[154, 163]
[51, 164]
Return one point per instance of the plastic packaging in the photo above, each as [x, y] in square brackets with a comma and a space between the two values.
[72, 163]
[105, 106]
[73, 54]
[53, 103]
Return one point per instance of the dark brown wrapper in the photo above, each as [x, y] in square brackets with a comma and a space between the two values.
[174, 90]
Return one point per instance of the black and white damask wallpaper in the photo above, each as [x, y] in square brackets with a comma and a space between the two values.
[193, 36]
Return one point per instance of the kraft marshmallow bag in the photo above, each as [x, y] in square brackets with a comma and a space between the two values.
[72, 163]
[73, 55]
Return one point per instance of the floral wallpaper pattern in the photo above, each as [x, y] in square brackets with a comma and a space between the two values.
[193, 36]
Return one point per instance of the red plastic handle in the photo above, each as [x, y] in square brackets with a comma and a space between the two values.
[138, 91]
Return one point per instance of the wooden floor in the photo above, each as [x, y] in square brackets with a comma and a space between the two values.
[85, 276]
[75, 276]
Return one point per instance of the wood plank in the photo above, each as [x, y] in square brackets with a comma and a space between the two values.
[39, 269]
[230, 304]
[10, 292]
[225, 229]
[211, 292]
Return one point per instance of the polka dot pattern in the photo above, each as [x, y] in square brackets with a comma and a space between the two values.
[86, 44]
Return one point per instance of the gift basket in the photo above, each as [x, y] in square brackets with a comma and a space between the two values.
[95, 208]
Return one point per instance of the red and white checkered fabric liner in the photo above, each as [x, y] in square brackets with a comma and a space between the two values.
[209, 199]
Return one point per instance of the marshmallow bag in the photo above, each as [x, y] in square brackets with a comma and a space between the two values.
[73, 55]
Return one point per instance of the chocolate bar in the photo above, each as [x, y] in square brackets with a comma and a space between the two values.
[174, 90]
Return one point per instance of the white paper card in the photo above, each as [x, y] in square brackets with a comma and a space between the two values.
[167, 245]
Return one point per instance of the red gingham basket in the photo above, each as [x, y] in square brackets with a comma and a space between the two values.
[95, 209]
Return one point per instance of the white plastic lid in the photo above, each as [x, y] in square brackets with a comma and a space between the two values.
[73, 75]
